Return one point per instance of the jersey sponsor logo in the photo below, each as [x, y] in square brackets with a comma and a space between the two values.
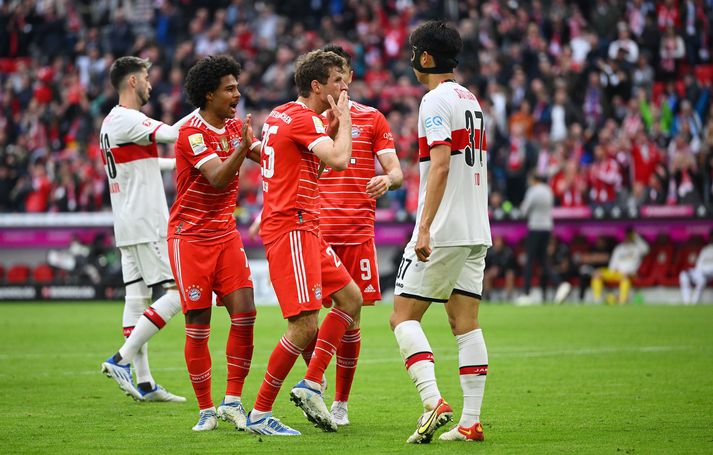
[369, 288]
[147, 122]
[433, 122]
[317, 290]
[356, 132]
[318, 125]
[388, 136]
[197, 143]
[194, 292]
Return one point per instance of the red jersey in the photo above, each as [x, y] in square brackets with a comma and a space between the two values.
[347, 211]
[289, 170]
[202, 212]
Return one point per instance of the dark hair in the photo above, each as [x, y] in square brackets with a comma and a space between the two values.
[205, 76]
[124, 66]
[339, 50]
[437, 37]
[315, 66]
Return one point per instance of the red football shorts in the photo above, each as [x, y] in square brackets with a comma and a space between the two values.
[360, 261]
[201, 269]
[303, 269]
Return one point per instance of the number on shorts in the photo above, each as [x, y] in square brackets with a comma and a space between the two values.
[331, 252]
[403, 267]
[365, 267]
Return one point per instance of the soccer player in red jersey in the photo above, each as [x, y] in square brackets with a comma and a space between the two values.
[205, 249]
[303, 267]
[348, 205]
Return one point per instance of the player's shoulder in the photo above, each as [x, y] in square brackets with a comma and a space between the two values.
[120, 115]
[193, 125]
[363, 108]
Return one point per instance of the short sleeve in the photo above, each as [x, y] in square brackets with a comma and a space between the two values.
[309, 130]
[383, 138]
[194, 146]
[435, 121]
[139, 129]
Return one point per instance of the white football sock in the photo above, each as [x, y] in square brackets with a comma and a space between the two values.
[685, 281]
[473, 366]
[166, 307]
[418, 357]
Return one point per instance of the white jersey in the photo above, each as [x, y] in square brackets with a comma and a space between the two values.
[131, 162]
[626, 257]
[451, 115]
[705, 258]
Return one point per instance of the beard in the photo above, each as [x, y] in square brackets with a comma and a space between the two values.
[144, 97]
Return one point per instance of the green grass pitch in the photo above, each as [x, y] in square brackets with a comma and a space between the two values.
[562, 379]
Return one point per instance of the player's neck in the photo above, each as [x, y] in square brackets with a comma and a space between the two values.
[213, 120]
[313, 103]
[129, 101]
[433, 80]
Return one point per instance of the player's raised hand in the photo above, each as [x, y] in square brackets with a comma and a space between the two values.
[246, 136]
[423, 244]
[332, 122]
[378, 186]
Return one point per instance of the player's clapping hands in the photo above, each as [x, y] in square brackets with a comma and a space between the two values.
[246, 136]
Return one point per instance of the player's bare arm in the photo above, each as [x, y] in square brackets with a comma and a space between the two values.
[336, 154]
[436, 184]
[220, 173]
[392, 179]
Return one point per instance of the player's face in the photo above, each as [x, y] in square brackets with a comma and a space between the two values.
[143, 87]
[336, 83]
[225, 98]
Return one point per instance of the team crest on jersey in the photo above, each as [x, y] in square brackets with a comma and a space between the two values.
[197, 143]
[235, 143]
[356, 132]
[318, 125]
[193, 292]
[317, 289]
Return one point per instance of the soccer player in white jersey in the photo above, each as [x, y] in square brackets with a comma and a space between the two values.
[445, 259]
[699, 275]
[128, 142]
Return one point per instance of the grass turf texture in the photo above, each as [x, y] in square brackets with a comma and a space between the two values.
[567, 379]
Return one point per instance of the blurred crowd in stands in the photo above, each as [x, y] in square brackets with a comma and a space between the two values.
[611, 100]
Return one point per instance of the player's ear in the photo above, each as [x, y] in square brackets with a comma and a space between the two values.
[316, 86]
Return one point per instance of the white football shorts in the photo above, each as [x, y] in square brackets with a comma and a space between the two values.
[146, 261]
[449, 270]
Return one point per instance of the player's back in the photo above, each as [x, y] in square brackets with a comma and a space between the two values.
[451, 115]
[202, 212]
[289, 170]
[130, 157]
[347, 210]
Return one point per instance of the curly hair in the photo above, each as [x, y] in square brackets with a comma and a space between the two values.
[315, 66]
[205, 75]
[125, 66]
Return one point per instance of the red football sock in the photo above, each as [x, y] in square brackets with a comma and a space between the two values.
[347, 356]
[239, 351]
[330, 334]
[308, 351]
[198, 362]
[282, 359]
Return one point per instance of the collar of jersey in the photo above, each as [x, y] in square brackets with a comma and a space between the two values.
[209, 126]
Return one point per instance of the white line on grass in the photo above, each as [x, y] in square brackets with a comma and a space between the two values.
[393, 359]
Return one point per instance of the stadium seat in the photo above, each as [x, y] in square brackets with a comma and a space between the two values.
[18, 274]
[43, 274]
[704, 73]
